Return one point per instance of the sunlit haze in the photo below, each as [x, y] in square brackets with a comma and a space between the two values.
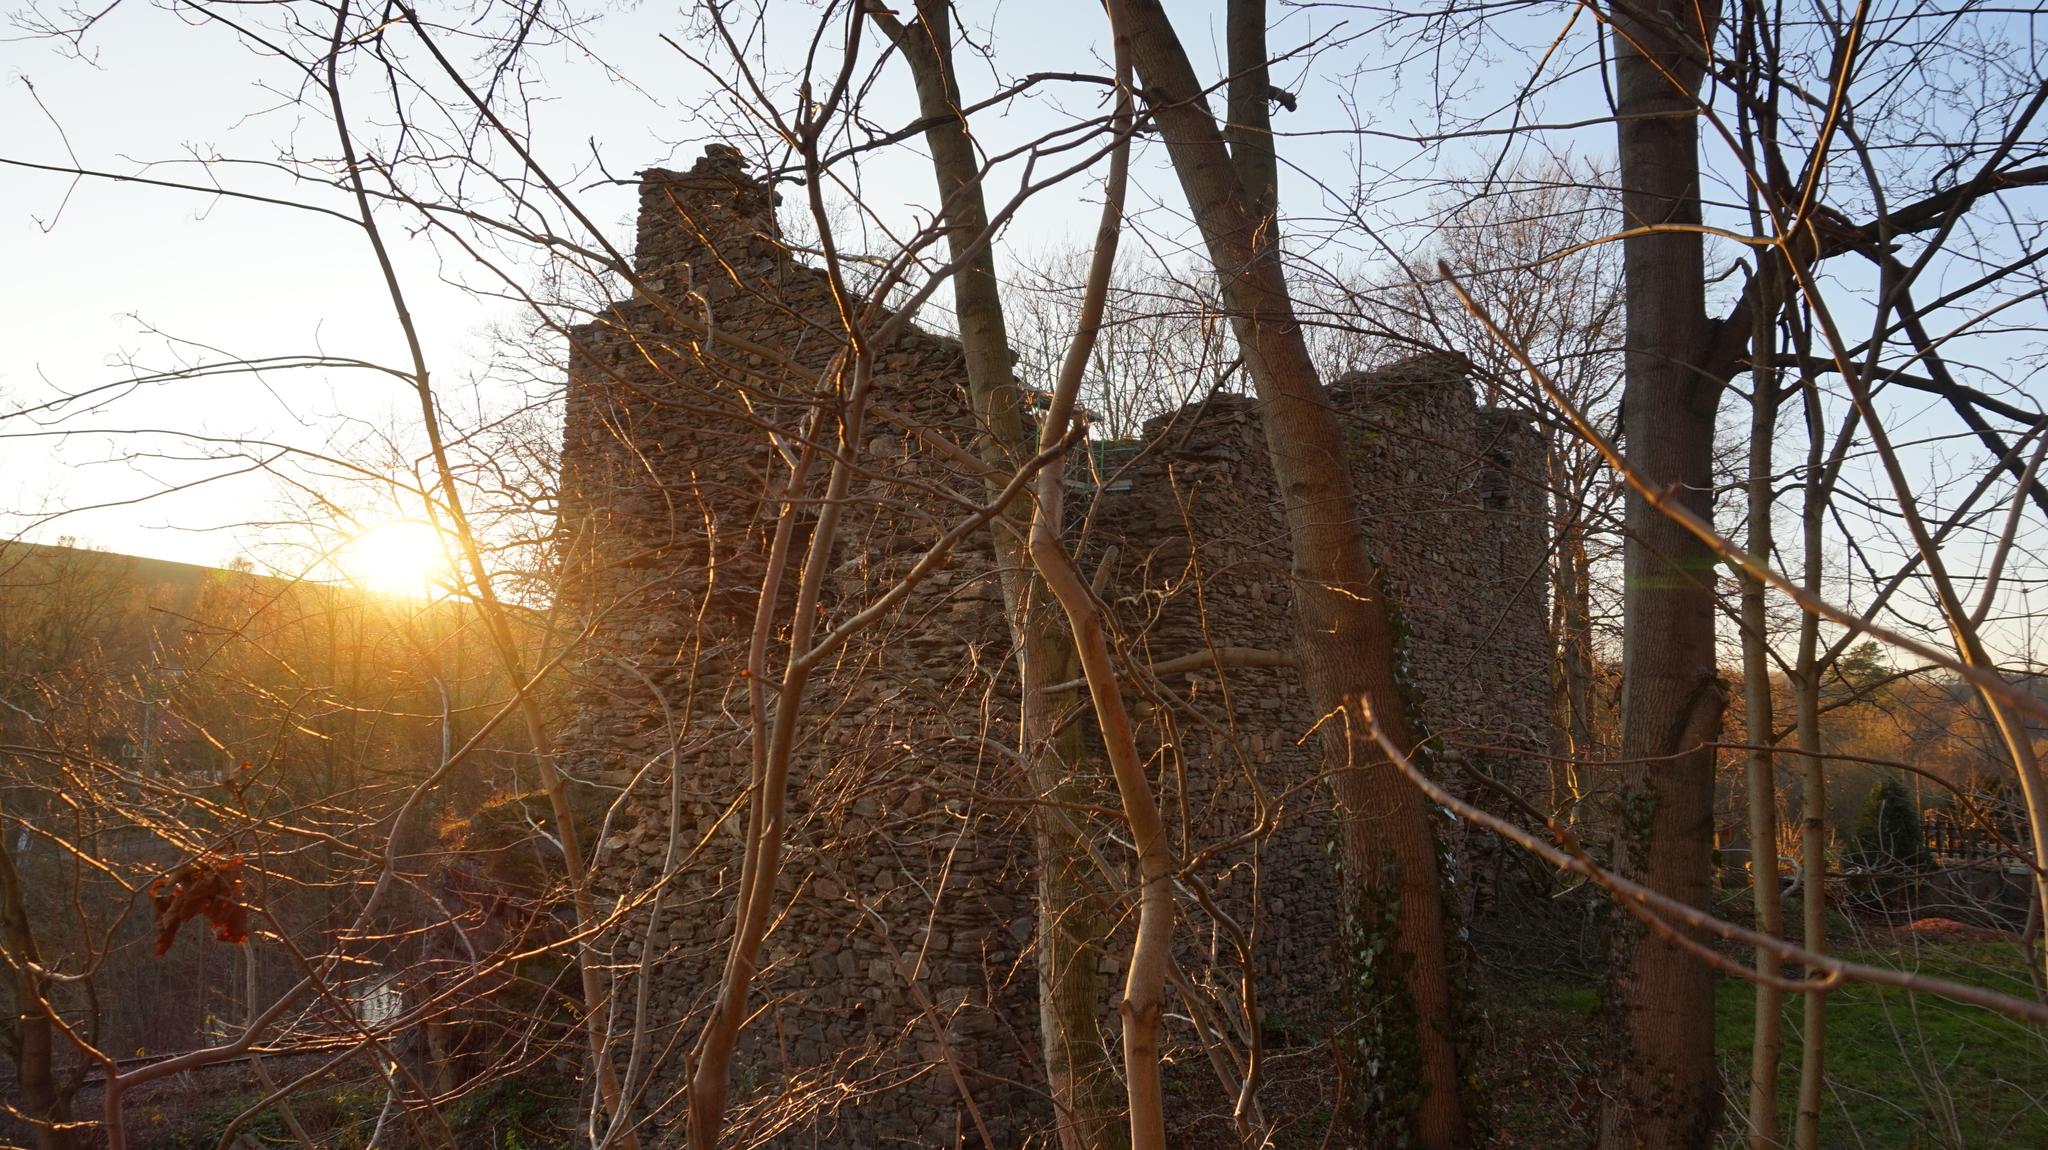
[400, 557]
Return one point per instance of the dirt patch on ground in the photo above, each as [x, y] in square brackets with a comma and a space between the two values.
[1949, 930]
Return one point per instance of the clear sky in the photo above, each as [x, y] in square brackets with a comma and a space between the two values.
[104, 278]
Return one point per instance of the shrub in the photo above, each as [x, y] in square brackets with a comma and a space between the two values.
[1887, 835]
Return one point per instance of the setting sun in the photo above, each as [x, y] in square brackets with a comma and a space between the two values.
[401, 557]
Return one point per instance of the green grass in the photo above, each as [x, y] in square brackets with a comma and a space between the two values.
[1905, 1071]
[532, 1111]
[1913, 1071]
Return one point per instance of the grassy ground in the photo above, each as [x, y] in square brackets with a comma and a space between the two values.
[1915, 1071]
[529, 1113]
[1905, 1071]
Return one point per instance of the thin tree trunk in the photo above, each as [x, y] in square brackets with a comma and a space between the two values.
[33, 1041]
[1813, 827]
[1813, 864]
[1666, 1094]
[1394, 898]
[774, 736]
[283, 1104]
[1766, 1042]
[1151, 952]
[1144, 999]
[1571, 612]
[830, 440]
[1072, 929]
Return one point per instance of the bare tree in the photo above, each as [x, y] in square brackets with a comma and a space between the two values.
[1401, 947]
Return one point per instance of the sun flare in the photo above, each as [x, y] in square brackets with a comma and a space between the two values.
[401, 557]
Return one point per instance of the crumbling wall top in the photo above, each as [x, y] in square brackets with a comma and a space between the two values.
[716, 209]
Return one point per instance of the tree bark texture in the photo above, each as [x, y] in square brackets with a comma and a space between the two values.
[1666, 1092]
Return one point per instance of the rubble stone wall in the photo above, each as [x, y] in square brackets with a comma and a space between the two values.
[900, 954]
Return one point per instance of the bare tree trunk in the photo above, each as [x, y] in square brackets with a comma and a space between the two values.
[1151, 953]
[1666, 1094]
[1766, 1042]
[1813, 858]
[774, 737]
[31, 1041]
[1813, 827]
[1571, 618]
[283, 1104]
[1072, 929]
[1394, 899]
[1144, 1000]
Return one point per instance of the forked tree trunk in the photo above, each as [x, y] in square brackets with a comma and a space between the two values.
[1394, 899]
[1072, 929]
[1666, 1092]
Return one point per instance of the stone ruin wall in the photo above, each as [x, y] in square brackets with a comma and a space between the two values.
[908, 849]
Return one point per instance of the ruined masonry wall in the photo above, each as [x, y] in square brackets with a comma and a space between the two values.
[908, 851]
